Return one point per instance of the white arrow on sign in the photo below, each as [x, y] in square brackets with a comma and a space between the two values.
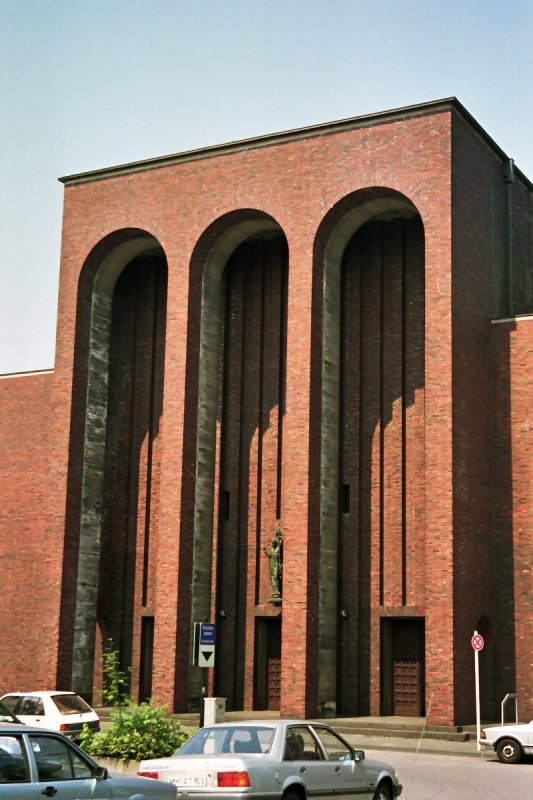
[206, 655]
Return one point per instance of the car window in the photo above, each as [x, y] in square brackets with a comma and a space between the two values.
[29, 705]
[336, 748]
[57, 760]
[249, 740]
[70, 704]
[228, 739]
[301, 745]
[13, 762]
[10, 701]
[6, 714]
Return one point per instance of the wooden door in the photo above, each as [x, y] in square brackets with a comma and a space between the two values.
[407, 657]
[267, 669]
[274, 665]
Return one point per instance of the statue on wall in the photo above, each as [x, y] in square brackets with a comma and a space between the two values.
[275, 556]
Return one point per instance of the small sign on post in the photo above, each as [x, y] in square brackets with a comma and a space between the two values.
[206, 649]
[478, 644]
[205, 635]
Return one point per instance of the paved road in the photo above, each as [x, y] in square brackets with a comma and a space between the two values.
[448, 777]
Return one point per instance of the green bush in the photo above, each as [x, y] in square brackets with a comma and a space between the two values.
[137, 732]
[115, 689]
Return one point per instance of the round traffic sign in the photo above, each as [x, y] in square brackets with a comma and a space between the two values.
[477, 641]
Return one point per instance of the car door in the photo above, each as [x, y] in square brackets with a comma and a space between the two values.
[347, 776]
[305, 761]
[527, 738]
[15, 774]
[61, 772]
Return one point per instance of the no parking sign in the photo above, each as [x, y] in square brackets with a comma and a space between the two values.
[478, 643]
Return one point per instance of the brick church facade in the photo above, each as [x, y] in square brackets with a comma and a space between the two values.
[329, 329]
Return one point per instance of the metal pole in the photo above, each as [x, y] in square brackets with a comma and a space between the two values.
[478, 712]
[204, 695]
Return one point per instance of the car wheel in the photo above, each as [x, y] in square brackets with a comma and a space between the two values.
[383, 792]
[509, 751]
[290, 795]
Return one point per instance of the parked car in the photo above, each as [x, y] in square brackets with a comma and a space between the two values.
[511, 742]
[58, 711]
[35, 763]
[289, 759]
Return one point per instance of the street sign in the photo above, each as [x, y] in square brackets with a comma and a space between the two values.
[208, 633]
[206, 656]
[478, 644]
[205, 635]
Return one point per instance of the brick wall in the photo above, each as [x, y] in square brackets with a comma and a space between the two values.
[249, 485]
[513, 498]
[31, 560]
[129, 526]
[382, 560]
[479, 261]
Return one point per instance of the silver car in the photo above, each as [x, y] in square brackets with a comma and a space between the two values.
[35, 763]
[286, 760]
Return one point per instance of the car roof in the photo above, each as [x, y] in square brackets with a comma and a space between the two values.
[12, 727]
[268, 723]
[38, 693]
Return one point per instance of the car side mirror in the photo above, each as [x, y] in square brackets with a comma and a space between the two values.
[358, 755]
[101, 773]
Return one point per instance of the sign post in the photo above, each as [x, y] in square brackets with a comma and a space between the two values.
[478, 644]
[205, 634]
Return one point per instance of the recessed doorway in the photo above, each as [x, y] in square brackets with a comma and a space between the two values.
[267, 694]
[403, 668]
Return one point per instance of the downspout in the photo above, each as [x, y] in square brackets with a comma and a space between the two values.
[509, 178]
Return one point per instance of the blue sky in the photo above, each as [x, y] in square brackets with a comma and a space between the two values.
[91, 83]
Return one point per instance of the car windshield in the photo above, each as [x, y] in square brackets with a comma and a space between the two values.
[228, 739]
[70, 704]
[6, 715]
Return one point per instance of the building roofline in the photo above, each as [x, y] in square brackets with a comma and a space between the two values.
[282, 137]
[28, 374]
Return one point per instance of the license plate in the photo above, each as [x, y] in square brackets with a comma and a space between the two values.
[189, 780]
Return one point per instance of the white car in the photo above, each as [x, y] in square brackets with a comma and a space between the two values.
[266, 760]
[511, 742]
[58, 711]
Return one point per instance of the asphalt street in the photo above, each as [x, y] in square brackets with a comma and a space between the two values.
[428, 776]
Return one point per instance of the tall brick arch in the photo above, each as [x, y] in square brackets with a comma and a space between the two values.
[117, 385]
[369, 255]
[237, 318]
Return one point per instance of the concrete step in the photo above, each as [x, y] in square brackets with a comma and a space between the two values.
[396, 727]
[403, 732]
[402, 727]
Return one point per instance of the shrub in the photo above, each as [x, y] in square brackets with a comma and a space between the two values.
[137, 732]
[115, 687]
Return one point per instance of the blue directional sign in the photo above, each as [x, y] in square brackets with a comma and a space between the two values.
[208, 633]
[205, 634]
